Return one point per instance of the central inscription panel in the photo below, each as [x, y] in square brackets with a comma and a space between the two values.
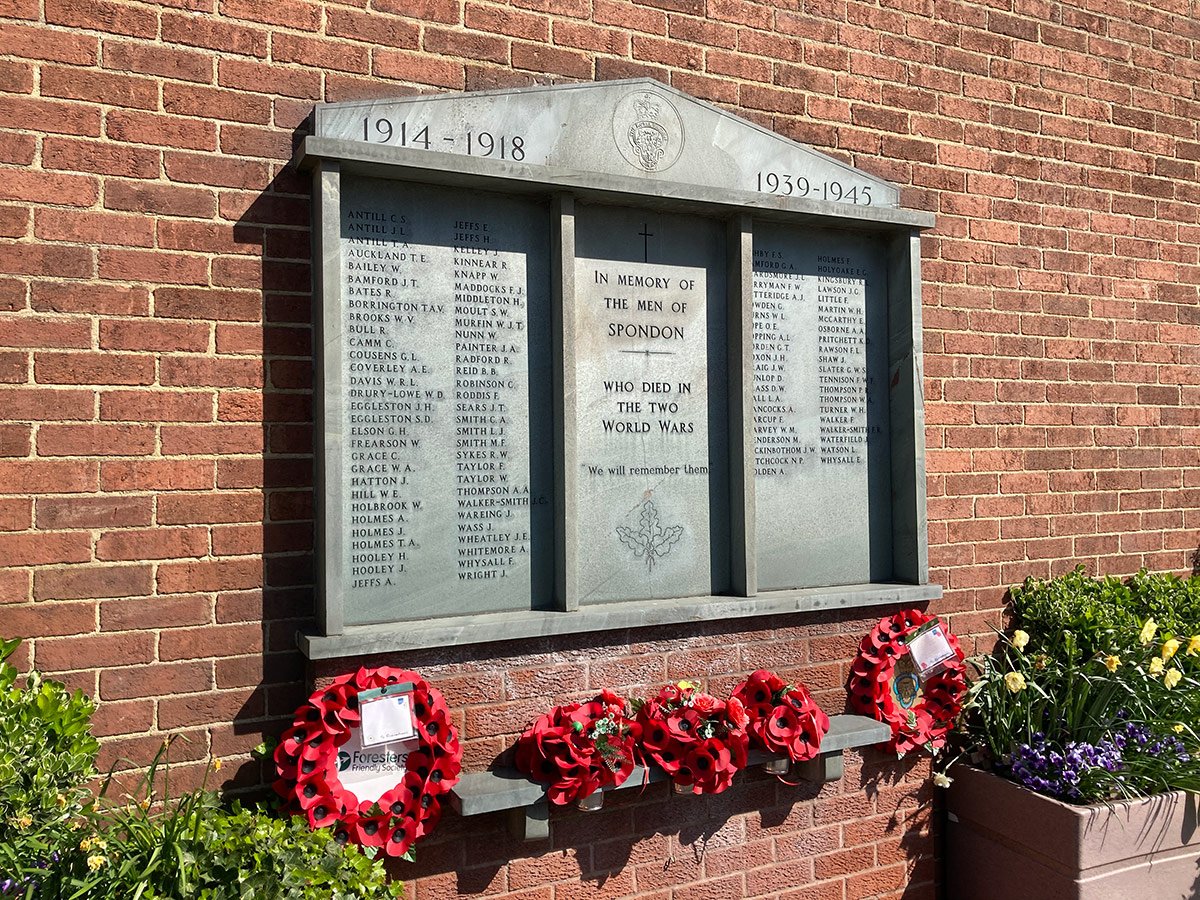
[447, 388]
[651, 427]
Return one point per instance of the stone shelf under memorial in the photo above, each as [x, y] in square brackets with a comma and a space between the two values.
[478, 793]
[365, 640]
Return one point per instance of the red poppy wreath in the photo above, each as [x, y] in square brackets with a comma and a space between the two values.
[886, 685]
[784, 718]
[580, 748]
[387, 795]
[698, 740]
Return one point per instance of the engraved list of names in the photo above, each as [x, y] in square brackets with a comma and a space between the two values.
[440, 501]
[818, 353]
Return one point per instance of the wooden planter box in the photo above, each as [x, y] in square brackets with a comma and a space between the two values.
[1004, 842]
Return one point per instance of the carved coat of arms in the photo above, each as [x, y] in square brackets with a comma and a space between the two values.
[648, 138]
[648, 131]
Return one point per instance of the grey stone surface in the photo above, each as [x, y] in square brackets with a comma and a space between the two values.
[906, 385]
[328, 412]
[848, 731]
[531, 823]
[566, 446]
[443, 336]
[650, 406]
[489, 627]
[821, 430]
[564, 379]
[384, 161]
[638, 128]
[483, 792]
[825, 768]
[739, 261]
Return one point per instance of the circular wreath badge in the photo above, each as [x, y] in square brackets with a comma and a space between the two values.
[308, 763]
[885, 685]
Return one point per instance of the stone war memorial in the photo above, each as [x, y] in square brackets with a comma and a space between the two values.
[572, 383]
[590, 448]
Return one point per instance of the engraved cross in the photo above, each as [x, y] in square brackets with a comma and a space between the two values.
[645, 235]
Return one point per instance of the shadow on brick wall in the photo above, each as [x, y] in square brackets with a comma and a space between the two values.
[282, 601]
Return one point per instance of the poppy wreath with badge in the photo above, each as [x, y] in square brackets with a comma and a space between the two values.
[307, 763]
[885, 685]
[784, 718]
[698, 740]
[580, 748]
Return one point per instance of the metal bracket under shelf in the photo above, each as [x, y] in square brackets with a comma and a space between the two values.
[529, 811]
[530, 823]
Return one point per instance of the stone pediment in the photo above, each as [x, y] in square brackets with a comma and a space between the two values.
[635, 128]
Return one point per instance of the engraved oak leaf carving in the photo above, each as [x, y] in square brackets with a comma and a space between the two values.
[651, 540]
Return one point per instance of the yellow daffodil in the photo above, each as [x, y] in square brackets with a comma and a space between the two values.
[1156, 666]
[1020, 639]
[1177, 728]
[1015, 682]
[1169, 648]
[1193, 646]
[1148, 631]
[216, 765]
[97, 861]
[1172, 678]
[1111, 662]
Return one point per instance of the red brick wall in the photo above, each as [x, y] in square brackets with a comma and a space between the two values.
[155, 417]
[871, 834]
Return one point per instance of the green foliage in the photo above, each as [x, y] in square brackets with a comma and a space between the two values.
[1085, 703]
[58, 843]
[197, 850]
[1101, 663]
[194, 849]
[47, 757]
[1105, 615]
[251, 855]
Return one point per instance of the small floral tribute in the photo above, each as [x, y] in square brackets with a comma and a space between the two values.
[308, 761]
[885, 684]
[783, 718]
[580, 748]
[699, 741]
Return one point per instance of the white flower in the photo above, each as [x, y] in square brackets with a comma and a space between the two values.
[942, 780]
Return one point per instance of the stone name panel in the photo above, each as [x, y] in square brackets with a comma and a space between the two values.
[528, 299]
[445, 388]
[820, 408]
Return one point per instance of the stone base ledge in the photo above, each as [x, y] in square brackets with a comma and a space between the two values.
[366, 640]
[501, 789]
